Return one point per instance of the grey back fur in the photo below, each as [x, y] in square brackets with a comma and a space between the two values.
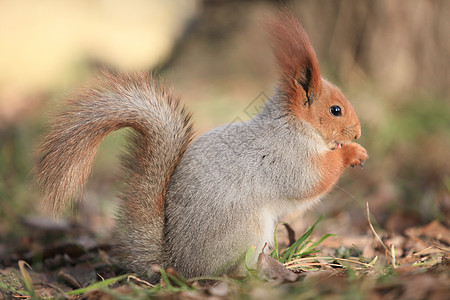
[232, 186]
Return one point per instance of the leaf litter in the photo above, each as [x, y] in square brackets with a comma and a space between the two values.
[70, 262]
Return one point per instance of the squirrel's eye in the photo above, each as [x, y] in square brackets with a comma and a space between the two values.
[335, 111]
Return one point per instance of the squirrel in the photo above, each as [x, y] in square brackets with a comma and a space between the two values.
[199, 205]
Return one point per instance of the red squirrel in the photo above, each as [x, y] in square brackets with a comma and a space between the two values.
[198, 206]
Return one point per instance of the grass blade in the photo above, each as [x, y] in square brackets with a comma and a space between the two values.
[248, 257]
[325, 236]
[275, 254]
[97, 285]
[27, 279]
[289, 252]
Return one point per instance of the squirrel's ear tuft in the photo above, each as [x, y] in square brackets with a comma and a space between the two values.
[295, 56]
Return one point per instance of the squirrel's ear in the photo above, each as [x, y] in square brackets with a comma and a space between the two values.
[295, 56]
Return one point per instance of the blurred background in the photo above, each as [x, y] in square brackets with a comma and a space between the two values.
[390, 58]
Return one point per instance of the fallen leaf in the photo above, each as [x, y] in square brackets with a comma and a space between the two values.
[271, 269]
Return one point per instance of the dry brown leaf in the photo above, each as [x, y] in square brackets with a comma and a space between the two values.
[436, 231]
[271, 269]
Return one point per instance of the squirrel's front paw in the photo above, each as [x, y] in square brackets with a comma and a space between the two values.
[354, 154]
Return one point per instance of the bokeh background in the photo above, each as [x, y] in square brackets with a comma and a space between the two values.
[390, 58]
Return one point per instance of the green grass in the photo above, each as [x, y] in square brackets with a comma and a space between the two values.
[300, 248]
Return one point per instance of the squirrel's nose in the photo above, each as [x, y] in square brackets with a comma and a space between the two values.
[358, 134]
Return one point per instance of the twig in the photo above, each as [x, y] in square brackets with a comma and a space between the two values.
[378, 237]
[140, 280]
[311, 264]
[325, 257]
[427, 250]
[393, 254]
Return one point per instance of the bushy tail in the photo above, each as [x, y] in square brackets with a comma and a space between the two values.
[163, 132]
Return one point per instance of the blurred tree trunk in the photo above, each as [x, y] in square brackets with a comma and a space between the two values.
[401, 45]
